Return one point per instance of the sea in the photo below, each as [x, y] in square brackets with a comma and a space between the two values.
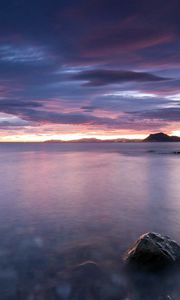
[65, 204]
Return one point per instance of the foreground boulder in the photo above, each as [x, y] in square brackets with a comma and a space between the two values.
[153, 251]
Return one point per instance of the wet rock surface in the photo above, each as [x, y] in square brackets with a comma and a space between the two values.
[153, 251]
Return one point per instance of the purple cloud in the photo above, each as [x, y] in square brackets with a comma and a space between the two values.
[64, 62]
[105, 77]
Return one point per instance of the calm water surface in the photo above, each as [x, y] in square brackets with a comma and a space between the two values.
[91, 189]
[59, 195]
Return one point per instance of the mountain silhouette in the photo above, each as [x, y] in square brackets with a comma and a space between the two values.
[161, 137]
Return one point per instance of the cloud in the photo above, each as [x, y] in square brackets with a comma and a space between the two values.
[119, 104]
[17, 108]
[35, 111]
[21, 54]
[89, 108]
[134, 121]
[170, 114]
[127, 121]
[44, 117]
[18, 103]
[72, 62]
[106, 77]
[13, 125]
[13, 106]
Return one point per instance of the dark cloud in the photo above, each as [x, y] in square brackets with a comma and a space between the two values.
[48, 117]
[16, 106]
[13, 125]
[130, 102]
[105, 77]
[89, 108]
[35, 113]
[124, 122]
[18, 103]
[166, 114]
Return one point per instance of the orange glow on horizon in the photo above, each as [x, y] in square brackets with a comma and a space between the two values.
[67, 137]
[75, 136]
[68, 132]
[176, 132]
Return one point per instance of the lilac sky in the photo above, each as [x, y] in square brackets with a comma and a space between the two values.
[72, 69]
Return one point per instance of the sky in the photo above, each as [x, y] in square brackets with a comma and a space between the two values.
[89, 68]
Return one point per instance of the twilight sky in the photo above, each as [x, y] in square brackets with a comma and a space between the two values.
[89, 68]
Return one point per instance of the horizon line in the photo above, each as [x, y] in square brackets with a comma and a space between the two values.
[99, 139]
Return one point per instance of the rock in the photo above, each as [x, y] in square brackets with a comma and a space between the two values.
[8, 283]
[176, 152]
[153, 251]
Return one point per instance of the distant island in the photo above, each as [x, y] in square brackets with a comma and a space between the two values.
[156, 137]
[161, 137]
[94, 140]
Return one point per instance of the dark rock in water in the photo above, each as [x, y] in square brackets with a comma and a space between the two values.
[153, 251]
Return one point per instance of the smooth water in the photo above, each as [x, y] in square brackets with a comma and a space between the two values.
[57, 196]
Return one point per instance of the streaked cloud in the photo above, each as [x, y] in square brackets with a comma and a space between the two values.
[21, 54]
[89, 66]
[102, 77]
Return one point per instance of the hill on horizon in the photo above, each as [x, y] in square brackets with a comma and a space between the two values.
[155, 137]
[161, 137]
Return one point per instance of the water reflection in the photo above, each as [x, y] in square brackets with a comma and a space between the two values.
[61, 208]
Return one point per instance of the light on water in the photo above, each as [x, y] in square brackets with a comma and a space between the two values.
[63, 204]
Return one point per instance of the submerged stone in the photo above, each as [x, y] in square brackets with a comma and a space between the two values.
[91, 281]
[88, 269]
[153, 251]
